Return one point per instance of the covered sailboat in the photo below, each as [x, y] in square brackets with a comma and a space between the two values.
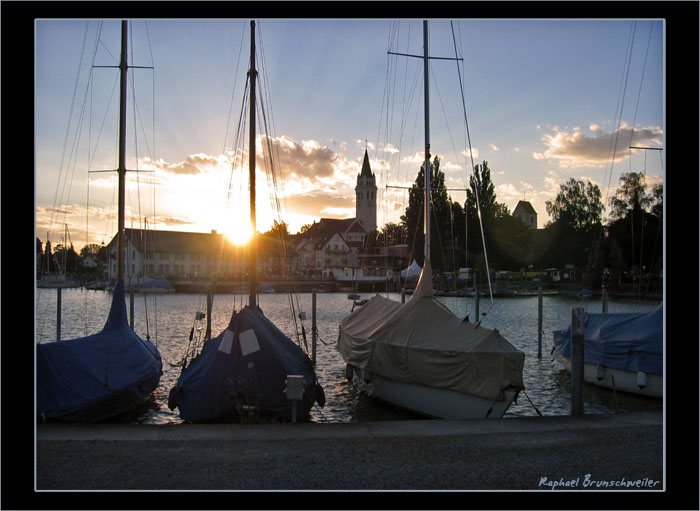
[419, 355]
[623, 350]
[97, 377]
[246, 367]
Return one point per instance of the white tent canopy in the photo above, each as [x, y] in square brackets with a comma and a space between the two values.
[412, 271]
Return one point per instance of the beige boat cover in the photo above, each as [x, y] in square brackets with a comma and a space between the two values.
[423, 342]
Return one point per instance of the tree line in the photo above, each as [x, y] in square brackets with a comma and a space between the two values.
[625, 248]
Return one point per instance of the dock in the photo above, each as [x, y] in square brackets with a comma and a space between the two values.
[586, 452]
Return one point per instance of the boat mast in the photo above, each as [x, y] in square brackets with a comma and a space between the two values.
[426, 205]
[252, 263]
[122, 154]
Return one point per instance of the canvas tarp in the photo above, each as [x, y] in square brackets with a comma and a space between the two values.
[247, 364]
[423, 342]
[91, 378]
[628, 341]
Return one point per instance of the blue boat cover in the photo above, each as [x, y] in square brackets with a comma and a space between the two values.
[246, 365]
[627, 341]
[93, 378]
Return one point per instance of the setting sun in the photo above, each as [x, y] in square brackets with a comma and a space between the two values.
[238, 233]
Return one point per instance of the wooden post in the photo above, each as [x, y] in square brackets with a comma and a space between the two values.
[476, 301]
[403, 295]
[539, 322]
[313, 326]
[577, 361]
[605, 299]
[210, 303]
[131, 307]
[58, 313]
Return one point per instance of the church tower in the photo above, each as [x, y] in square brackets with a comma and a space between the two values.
[366, 197]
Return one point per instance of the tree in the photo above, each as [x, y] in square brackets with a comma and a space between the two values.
[577, 205]
[412, 220]
[393, 234]
[631, 195]
[576, 228]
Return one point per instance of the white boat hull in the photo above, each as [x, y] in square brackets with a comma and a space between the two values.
[634, 382]
[430, 401]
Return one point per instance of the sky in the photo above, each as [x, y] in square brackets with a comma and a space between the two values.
[546, 100]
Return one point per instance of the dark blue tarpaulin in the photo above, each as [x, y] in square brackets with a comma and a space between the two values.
[92, 378]
[628, 341]
[246, 365]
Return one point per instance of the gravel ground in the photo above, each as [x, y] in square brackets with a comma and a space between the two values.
[511, 454]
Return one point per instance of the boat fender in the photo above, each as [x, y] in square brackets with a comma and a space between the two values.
[641, 379]
[366, 376]
[348, 372]
[600, 372]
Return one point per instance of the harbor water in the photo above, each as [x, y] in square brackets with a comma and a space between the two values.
[167, 319]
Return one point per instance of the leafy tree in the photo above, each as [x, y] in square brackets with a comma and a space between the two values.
[412, 220]
[576, 226]
[631, 195]
[393, 234]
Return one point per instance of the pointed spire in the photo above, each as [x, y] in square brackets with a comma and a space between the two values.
[366, 170]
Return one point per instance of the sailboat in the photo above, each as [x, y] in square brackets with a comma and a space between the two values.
[245, 369]
[421, 357]
[97, 377]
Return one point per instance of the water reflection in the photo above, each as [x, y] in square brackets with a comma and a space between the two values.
[168, 320]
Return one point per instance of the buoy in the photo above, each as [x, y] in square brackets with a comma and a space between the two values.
[348, 372]
[600, 372]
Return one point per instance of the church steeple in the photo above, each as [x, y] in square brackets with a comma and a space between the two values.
[366, 170]
[366, 196]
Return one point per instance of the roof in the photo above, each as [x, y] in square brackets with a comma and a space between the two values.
[524, 207]
[366, 170]
[174, 241]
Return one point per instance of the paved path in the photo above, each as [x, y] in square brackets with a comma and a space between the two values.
[529, 453]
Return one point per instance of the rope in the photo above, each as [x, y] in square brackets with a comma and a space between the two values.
[533, 404]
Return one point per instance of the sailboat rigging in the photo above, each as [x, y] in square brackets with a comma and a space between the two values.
[97, 377]
[418, 355]
[245, 368]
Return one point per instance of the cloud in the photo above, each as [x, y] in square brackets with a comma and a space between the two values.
[494, 147]
[194, 164]
[575, 148]
[320, 203]
[307, 159]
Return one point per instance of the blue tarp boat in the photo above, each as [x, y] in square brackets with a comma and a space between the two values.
[245, 367]
[93, 378]
[627, 342]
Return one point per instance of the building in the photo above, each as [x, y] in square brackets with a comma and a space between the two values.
[366, 197]
[525, 212]
[177, 255]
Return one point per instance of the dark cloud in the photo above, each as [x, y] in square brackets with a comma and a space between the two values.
[307, 159]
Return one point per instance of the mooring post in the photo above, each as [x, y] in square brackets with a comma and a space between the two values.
[403, 295]
[313, 326]
[131, 307]
[58, 313]
[210, 303]
[577, 361]
[539, 322]
[476, 301]
[605, 299]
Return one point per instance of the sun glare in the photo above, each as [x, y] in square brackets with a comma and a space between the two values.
[238, 233]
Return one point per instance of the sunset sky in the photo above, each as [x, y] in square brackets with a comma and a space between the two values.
[544, 100]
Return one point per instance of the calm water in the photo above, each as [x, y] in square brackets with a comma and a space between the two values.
[169, 318]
